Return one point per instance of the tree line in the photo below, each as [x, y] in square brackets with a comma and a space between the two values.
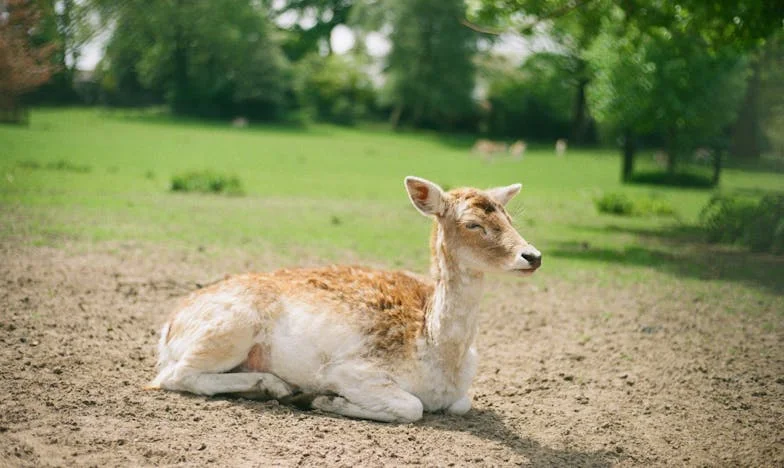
[678, 75]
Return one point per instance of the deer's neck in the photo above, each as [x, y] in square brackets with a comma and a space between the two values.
[451, 322]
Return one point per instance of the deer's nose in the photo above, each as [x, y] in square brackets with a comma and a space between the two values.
[534, 259]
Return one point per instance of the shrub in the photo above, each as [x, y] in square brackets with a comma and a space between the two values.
[61, 165]
[725, 217]
[615, 203]
[206, 182]
[755, 223]
[623, 205]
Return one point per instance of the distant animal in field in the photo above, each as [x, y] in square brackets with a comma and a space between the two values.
[517, 150]
[488, 148]
[239, 122]
[703, 155]
[661, 158]
[355, 341]
[560, 147]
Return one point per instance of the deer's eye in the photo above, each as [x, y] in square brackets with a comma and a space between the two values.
[473, 226]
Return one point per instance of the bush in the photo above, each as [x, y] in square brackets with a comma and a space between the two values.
[757, 224]
[615, 203]
[333, 89]
[61, 165]
[724, 218]
[206, 182]
[623, 205]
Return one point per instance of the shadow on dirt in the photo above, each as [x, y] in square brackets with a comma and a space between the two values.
[483, 423]
[487, 424]
[681, 252]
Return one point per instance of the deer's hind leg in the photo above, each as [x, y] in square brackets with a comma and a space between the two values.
[203, 363]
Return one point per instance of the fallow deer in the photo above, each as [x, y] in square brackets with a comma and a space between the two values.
[486, 149]
[363, 343]
[560, 147]
[517, 150]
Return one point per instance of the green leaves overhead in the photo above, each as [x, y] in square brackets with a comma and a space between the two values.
[430, 70]
[207, 58]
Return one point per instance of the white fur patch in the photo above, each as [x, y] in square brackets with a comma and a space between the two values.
[306, 345]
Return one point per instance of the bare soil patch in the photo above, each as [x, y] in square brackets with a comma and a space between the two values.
[571, 375]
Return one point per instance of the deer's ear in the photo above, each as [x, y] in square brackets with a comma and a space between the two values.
[427, 197]
[503, 194]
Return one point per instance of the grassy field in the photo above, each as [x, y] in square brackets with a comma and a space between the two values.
[92, 176]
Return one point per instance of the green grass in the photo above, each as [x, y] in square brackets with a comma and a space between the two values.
[330, 190]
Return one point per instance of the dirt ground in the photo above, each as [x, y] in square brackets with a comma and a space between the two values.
[570, 375]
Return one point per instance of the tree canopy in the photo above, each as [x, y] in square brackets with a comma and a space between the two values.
[25, 60]
[430, 73]
[207, 58]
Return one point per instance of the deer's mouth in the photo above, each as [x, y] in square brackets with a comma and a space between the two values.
[526, 271]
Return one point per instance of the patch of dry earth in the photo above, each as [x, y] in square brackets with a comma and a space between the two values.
[571, 375]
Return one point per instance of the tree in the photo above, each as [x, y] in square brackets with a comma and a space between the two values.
[665, 81]
[333, 88]
[65, 23]
[572, 25]
[772, 94]
[209, 58]
[723, 28]
[326, 14]
[533, 101]
[24, 64]
[430, 71]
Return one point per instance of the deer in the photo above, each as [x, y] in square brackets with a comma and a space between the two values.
[560, 147]
[350, 340]
[488, 148]
[517, 150]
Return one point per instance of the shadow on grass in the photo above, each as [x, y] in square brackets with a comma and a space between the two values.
[762, 165]
[687, 179]
[163, 118]
[680, 251]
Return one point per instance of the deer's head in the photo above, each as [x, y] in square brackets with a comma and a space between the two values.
[475, 229]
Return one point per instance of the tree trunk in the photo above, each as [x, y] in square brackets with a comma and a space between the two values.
[672, 150]
[394, 118]
[579, 123]
[628, 156]
[180, 101]
[746, 132]
[12, 111]
[717, 153]
[416, 118]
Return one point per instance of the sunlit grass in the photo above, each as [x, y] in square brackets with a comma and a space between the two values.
[332, 190]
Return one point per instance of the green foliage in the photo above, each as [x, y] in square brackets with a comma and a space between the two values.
[533, 102]
[615, 203]
[327, 14]
[772, 93]
[618, 203]
[664, 81]
[213, 58]
[739, 24]
[430, 71]
[206, 181]
[755, 223]
[333, 88]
